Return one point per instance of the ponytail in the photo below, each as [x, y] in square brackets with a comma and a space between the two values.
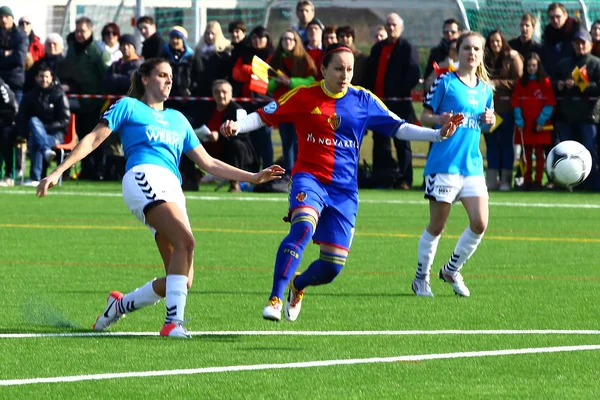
[481, 71]
[137, 88]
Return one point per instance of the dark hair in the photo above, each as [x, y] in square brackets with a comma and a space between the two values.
[303, 3]
[84, 20]
[137, 89]
[331, 50]
[43, 68]
[347, 30]
[451, 21]
[237, 24]
[111, 26]
[262, 32]
[493, 61]
[145, 19]
[329, 29]
[541, 73]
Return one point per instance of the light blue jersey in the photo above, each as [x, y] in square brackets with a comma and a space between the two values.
[460, 153]
[151, 136]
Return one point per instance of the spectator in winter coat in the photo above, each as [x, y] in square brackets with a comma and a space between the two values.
[110, 42]
[450, 31]
[36, 48]
[211, 53]
[557, 37]
[595, 32]
[346, 35]
[153, 42]
[44, 116]
[8, 113]
[54, 58]
[525, 44]
[13, 52]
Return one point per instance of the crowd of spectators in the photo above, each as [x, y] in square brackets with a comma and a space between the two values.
[38, 81]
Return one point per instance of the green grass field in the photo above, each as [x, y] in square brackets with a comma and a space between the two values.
[536, 270]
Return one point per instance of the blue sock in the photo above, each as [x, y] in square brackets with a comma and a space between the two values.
[321, 271]
[290, 252]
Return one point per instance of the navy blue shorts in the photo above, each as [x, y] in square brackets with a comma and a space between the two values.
[337, 209]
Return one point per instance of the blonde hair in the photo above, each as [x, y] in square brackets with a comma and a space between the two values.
[481, 70]
[137, 88]
[221, 42]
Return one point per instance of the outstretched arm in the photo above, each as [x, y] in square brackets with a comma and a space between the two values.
[249, 123]
[88, 144]
[408, 131]
[216, 167]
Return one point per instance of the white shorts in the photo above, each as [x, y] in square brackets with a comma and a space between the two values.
[448, 188]
[147, 184]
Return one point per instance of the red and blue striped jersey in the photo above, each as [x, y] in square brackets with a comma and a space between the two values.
[330, 128]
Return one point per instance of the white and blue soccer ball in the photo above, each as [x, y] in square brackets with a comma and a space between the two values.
[568, 163]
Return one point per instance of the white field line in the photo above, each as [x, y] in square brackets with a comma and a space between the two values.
[306, 364]
[315, 333]
[283, 198]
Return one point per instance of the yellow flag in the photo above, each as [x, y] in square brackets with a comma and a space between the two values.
[580, 75]
[260, 69]
[499, 121]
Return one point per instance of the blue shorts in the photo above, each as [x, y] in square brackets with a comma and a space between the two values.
[336, 208]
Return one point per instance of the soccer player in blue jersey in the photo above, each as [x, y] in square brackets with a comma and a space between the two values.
[154, 139]
[331, 117]
[454, 168]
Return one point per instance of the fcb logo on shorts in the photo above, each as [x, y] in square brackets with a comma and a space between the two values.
[301, 196]
[335, 121]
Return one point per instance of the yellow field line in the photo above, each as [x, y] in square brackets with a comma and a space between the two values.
[283, 232]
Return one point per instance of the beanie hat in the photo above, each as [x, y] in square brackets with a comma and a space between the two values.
[316, 21]
[5, 10]
[179, 31]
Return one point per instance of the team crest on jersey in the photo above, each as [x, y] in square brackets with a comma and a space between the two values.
[301, 196]
[335, 121]
[270, 108]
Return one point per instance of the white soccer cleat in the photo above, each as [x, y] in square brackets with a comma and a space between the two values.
[293, 305]
[421, 287]
[111, 313]
[272, 310]
[175, 329]
[457, 282]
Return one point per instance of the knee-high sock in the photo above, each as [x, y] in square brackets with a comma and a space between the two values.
[321, 271]
[176, 296]
[290, 252]
[466, 246]
[139, 298]
[427, 248]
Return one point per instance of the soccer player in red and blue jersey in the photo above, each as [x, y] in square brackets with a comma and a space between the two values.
[331, 117]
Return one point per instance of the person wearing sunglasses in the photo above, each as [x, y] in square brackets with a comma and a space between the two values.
[450, 32]
[36, 47]
[110, 42]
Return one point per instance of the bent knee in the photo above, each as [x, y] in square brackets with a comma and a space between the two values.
[478, 227]
[185, 242]
[435, 230]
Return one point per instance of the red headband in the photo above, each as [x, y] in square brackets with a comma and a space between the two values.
[341, 48]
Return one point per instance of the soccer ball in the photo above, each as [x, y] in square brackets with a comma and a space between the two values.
[568, 163]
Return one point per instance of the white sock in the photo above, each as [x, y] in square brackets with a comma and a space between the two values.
[466, 246]
[139, 298]
[176, 295]
[427, 248]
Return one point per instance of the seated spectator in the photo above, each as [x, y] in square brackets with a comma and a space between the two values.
[347, 35]
[13, 52]
[44, 116]
[110, 42]
[524, 43]
[8, 112]
[595, 32]
[211, 53]
[54, 58]
[36, 48]
[379, 34]
[153, 42]
[329, 35]
[578, 109]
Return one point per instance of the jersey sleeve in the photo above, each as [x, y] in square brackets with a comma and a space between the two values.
[118, 113]
[282, 110]
[190, 141]
[435, 95]
[381, 119]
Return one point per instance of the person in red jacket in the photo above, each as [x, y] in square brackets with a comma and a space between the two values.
[533, 102]
[298, 69]
[36, 47]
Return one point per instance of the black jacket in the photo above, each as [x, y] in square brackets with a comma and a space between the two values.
[60, 68]
[526, 48]
[50, 105]
[437, 54]
[152, 46]
[557, 44]
[12, 67]
[8, 105]
[574, 106]
[118, 76]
